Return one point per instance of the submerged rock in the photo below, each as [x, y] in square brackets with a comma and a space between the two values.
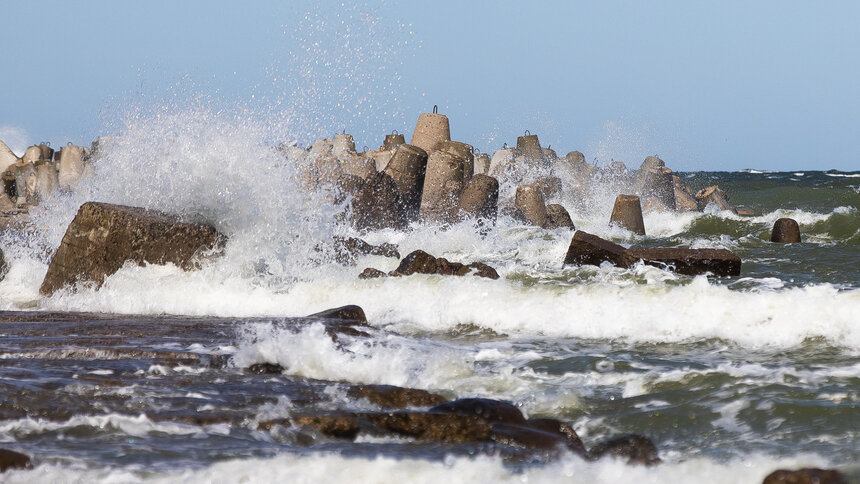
[9, 459]
[691, 262]
[590, 249]
[102, 237]
[389, 396]
[635, 449]
[807, 475]
[420, 262]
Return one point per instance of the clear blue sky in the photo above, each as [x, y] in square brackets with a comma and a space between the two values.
[706, 85]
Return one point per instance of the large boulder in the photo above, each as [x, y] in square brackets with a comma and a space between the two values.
[378, 205]
[588, 249]
[719, 262]
[102, 237]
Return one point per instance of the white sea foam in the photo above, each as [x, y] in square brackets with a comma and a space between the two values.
[326, 467]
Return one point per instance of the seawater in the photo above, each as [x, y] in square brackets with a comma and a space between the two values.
[732, 378]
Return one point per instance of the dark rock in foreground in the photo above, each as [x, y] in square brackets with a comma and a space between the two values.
[347, 313]
[371, 273]
[102, 237]
[806, 476]
[691, 262]
[420, 262]
[9, 459]
[389, 396]
[590, 249]
[636, 449]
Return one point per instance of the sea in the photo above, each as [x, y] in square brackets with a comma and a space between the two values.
[145, 379]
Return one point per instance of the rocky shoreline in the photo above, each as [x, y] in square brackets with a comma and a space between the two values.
[432, 180]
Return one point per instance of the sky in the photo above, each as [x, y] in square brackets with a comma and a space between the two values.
[705, 85]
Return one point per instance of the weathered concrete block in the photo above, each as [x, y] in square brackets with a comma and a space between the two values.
[715, 195]
[482, 163]
[480, 198]
[443, 182]
[7, 157]
[627, 213]
[407, 168]
[46, 179]
[70, 166]
[377, 205]
[102, 237]
[528, 147]
[430, 130]
[465, 153]
[392, 141]
[588, 249]
[684, 199]
[785, 231]
[691, 262]
[654, 181]
[557, 217]
[343, 145]
[529, 201]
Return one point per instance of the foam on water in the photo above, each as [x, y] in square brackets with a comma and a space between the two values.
[328, 467]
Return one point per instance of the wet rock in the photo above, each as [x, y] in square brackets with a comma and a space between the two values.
[691, 262]
[407, 168]
[361, 166]
[530, 204]
[371, 273]
[635, 449]
[266, 369]
[561, 429]
[46, 179]
[347, 249]
[434, 427]
[785, 231]
[346, 313]
[549, 154]
[431, 129]
[420, 262]
[557, 217]
[503, 166]
[346, 186]
[443, 183]
[395, 397]
[807, 475]
[484, 408]
[102, 237]
[26, 181]
[340, 427]
[4, 268]
[713, 195]
[9, 459]
[627, 213]
[526, 437]
[684, 199]
[377, 205]
[588, 249]
[480, 198]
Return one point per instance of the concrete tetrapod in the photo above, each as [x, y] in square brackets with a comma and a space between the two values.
[530, 204]
[430, 130]
[785, 231]
[465, 153]
[407, 167]
[480, 198]
[627, 213]
[443, 182]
